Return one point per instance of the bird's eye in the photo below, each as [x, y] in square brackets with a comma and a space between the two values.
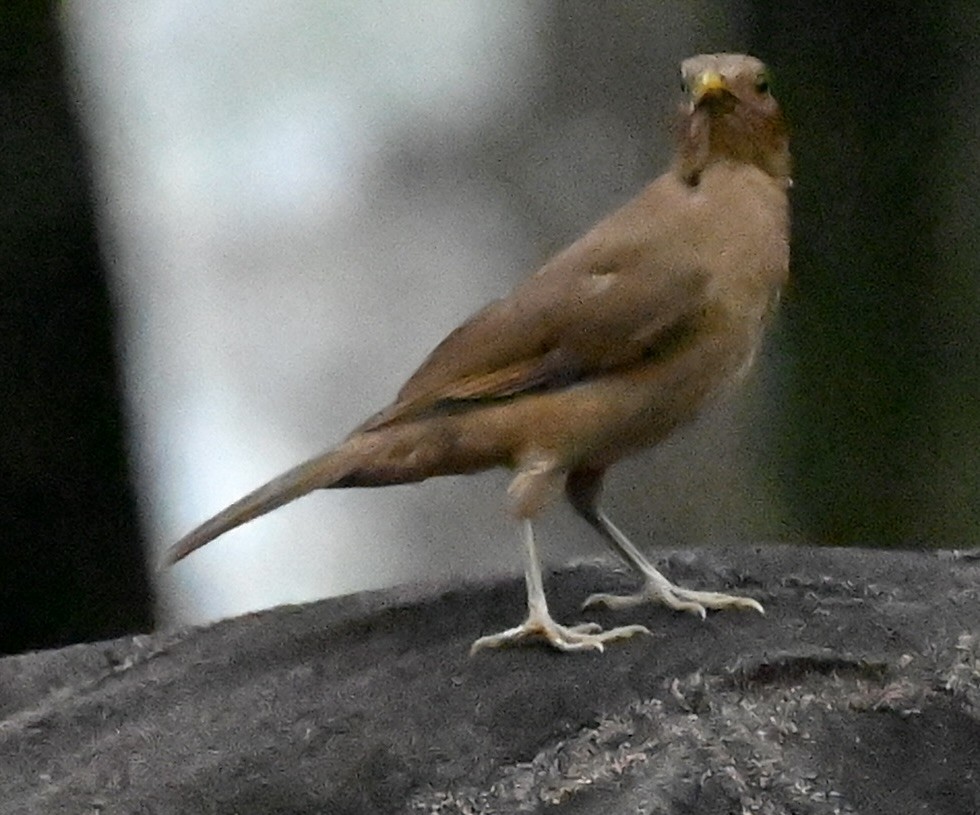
[762, 84]
[683, 85]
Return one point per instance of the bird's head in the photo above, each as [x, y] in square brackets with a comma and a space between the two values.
[729, 113]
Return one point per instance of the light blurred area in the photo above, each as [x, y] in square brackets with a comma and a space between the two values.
[300, 199]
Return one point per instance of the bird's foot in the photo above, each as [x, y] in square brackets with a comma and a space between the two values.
[537, 628]
[675, 597]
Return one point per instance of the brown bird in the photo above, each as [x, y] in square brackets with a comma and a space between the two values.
[611, 345]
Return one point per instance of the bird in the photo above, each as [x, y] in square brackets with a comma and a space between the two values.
[611, 345]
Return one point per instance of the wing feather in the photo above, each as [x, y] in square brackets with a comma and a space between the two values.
[603, 303]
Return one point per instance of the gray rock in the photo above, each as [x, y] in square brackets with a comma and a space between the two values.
[858, 692]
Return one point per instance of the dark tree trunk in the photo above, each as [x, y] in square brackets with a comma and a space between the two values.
[882, 419]
[71, 562]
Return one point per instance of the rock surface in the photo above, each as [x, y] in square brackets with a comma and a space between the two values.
[858, 692]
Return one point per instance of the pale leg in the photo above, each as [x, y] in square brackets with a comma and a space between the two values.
[539, 626]
[656, 588]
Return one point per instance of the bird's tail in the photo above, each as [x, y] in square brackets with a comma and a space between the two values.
[395, 455]
[295, 483]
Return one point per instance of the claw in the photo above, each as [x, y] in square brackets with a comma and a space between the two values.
[666, 593]
[616, 602]
[581, 637]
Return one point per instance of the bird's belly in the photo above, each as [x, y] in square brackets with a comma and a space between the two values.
[639, 410]
[601, 420]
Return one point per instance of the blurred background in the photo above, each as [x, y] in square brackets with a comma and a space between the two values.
[231, 230]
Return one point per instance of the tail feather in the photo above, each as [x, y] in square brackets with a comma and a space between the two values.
[321, 472]
[393, 455]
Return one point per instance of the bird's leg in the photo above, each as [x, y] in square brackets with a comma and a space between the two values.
[582, 489]
[656, 587]
[539, 624]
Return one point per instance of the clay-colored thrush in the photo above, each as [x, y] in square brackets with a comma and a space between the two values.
[613, 343]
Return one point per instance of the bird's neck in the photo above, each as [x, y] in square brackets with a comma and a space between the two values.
[703, 142]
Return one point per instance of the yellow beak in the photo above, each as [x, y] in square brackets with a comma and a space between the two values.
[708, 83]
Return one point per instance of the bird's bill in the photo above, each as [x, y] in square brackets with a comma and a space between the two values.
[708, 85]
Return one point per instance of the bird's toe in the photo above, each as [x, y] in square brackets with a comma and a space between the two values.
[579, 637]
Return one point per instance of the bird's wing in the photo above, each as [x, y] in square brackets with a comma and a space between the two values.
[621, 293]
